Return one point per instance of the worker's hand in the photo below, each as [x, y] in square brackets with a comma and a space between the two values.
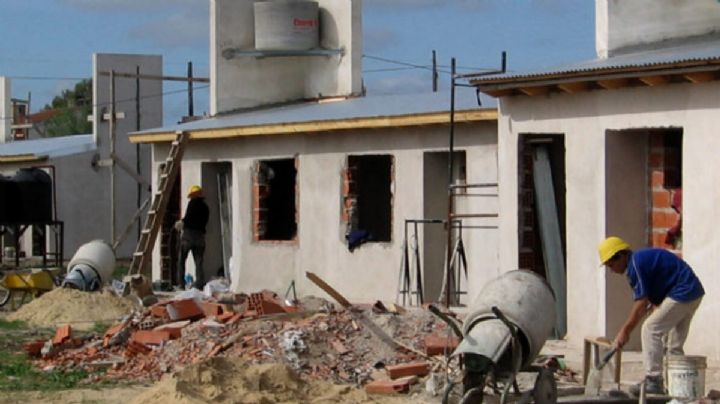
[179, 225]
[621, 338]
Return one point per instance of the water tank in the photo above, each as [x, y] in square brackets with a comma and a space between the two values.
[8, 200]
[526, 300]
[96, 258]
[286, 25]
[34, 196]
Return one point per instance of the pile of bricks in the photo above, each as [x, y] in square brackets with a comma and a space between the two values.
[172, 334]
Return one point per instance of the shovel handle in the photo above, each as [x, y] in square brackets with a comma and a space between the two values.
[606, 358]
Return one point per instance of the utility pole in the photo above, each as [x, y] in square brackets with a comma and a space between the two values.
[434, 72]
[190, 90]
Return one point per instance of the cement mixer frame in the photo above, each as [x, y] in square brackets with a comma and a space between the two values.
[479, 371]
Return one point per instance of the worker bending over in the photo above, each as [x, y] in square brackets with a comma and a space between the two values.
[661, 279]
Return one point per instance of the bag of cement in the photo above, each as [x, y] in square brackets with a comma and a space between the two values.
[293, 345]
[216, 286]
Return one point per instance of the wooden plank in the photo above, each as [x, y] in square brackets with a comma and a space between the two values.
[328, 289]
[550, 234]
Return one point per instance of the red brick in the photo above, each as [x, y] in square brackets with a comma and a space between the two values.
[151, 337]
[175, 329]
[661, 199]
[34, 348]
[184, 310]
[136, 348]
[211, 309]
[159, 311]
[225, 316]
[113, 330]
[269, 307]
[388, 386]
[408, 369]
[439, 344]
[62, 334]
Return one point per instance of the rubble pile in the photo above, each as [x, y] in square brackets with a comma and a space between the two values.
[329, 344]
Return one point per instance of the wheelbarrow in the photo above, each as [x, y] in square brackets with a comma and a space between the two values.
[24, 283]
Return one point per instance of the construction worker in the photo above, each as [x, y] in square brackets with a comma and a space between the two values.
[660, 282]
[193, 235]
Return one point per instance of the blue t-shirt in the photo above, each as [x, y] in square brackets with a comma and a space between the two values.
[656, 274]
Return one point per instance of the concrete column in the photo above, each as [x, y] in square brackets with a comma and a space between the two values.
[5, 110]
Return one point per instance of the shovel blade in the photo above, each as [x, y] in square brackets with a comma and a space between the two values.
[594, 383]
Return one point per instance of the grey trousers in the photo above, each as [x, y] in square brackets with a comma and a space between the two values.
[192, 241]
[670, 321]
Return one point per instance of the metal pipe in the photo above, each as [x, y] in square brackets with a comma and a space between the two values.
[191, 111]
[112, 153]
[448, 281]
[138, 200]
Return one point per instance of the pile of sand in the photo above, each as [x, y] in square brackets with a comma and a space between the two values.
[69, 306]
[223, 380]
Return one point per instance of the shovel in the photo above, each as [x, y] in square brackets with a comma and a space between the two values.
[594, 380]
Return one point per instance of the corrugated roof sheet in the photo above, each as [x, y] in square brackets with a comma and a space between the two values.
[674, 52]
[361, 107]
[50, 147]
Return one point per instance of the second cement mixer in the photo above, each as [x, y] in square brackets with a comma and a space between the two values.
[90, 267]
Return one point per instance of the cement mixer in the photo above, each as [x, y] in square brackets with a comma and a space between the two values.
[511, 319]
[90, 267]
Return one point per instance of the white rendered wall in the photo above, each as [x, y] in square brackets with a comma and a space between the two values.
[371, 271]
[623, 23]
[244, 82]
[583, 119]
[5, 110]
[150, 117]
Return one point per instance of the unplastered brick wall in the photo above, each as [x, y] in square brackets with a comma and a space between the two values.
[664, 168]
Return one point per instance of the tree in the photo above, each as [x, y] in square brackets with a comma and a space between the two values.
[73, 107]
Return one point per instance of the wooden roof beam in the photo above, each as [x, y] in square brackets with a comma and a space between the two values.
[699, 77]
[533, 91]
[612, 84]
[499, 93]
[575, 87]
[654, 80]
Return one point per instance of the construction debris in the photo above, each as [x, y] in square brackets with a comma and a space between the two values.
[326, 344]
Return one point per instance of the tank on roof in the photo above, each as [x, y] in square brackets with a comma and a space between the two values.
[286, 25]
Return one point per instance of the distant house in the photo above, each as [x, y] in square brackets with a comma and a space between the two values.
[76, 163]
[622, 134]
[303, 173]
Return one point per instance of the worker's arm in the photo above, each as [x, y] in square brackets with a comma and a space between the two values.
[637, 312]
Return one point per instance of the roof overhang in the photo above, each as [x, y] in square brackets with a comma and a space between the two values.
[22, 159]
[601, 79]
[292, 128]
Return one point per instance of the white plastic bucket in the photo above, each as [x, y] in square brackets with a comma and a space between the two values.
[686, 376]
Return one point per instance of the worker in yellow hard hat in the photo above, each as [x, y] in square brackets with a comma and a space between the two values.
[662, 280]
[192, 238]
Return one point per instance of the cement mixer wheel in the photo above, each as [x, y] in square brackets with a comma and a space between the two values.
[545, 389]
[4, 295]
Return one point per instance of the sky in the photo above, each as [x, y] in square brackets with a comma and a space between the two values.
[47, 45]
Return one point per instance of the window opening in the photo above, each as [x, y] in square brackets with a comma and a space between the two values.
[274, 215]
[368, 199]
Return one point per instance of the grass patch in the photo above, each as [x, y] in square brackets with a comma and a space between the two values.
[12, 325]
[18, 373]
[99, 327]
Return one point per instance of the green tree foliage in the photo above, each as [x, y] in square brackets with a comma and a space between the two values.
[73, 108]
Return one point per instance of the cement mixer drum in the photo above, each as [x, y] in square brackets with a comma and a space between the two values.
[93, 263]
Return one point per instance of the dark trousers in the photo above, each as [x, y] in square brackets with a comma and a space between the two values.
[192, 241]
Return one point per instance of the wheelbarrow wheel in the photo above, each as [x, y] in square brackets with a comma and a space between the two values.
[5, 295]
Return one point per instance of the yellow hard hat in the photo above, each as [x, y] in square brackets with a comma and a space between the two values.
[194, 189]
[611, 246]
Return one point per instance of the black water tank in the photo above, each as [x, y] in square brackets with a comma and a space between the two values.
[8, 200]
[34, 188]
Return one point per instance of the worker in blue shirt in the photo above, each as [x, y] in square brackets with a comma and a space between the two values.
[663, 283]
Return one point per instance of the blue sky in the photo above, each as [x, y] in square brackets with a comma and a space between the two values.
[48, 44]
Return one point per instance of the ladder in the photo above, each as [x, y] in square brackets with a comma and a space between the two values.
[168, 172]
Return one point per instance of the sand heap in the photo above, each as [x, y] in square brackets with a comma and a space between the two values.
[222, 380]
[68, 306]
